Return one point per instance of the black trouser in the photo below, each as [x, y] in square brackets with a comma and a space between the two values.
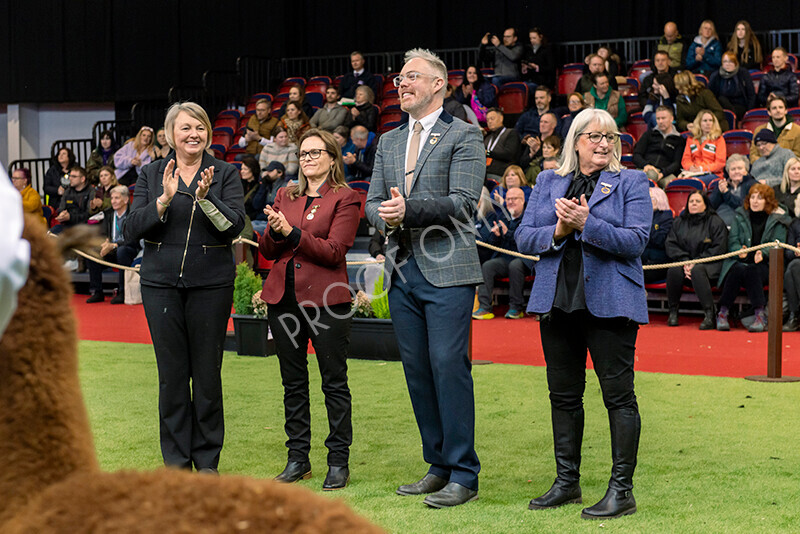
[516, 270]
[791, 285]
[329, 331]
[188, 328]
[124, 255]
[611, 343]
[737, 109]
[701, 282]
[751, 276]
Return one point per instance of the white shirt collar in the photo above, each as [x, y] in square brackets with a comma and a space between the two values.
[427, 121]
[358, 72]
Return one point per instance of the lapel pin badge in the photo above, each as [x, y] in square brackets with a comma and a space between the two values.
[605, 190]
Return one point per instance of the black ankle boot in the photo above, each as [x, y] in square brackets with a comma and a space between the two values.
[295, 471]
[567, 438]
[618, 500]
[709, 320]
[672, 319]
[792, 323]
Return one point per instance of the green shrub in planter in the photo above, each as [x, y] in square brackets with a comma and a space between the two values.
[380, 303]
[247, 284]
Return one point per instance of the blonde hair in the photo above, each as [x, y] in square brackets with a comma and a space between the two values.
[785, 180]
[335, 179]
[714, 33]
[433, 60]
[697, 132]
[192, 109]
[571, 162]
[137, 141]
[523, 180]
[686, 83]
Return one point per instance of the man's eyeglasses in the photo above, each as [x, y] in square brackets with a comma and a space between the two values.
[596, 137]
[314, 153]
[411, 77]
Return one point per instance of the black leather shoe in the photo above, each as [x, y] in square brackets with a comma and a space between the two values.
[208, 471]
[295, 471]
[672, 319]
[614, 504]
[792, 323]
[452, 494]
[96, 297]
[337, 478]
[119, 298]
[557, 495]
[427, 484]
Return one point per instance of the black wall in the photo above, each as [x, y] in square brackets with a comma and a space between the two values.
[106, 50]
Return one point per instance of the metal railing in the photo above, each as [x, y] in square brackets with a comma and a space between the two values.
[38, 168]
[82, 148]
[121, 131]
[255, 75]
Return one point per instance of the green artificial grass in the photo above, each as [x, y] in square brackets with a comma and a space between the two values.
[716, 454]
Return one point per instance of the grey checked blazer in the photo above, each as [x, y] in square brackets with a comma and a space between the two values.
[444, 195]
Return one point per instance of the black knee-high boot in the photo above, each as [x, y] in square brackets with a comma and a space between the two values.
[618, 500]
[567, 438]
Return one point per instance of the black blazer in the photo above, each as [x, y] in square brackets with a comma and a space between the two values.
[185, 247]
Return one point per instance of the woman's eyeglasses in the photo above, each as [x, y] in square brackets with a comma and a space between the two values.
[314, 153]
[596, 137]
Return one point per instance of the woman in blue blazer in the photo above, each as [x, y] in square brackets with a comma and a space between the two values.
[589, 222]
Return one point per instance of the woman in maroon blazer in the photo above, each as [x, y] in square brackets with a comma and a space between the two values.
[312, 225]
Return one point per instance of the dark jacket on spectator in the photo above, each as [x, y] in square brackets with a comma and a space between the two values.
[528, 122]
[783, 82]
[737, 88]
[361, 169]
[505, 152]
[505, 241]
[792, 238]
[712, 58]
[654, 251]
[543, 57]
[699, 235]
[585, 84]
[786, 199]
[97, 159]
[377, 244]
[726, 203]
[664, 78]
[663, 153]
[687, 109]
[265, 194]
[349, 83]
[367, 117]
[77, 204]
[455, 108]
[741, 235]
[52, 181]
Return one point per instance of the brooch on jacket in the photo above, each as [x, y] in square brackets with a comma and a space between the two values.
[314, 209]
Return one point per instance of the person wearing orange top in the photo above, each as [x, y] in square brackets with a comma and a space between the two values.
[31, 201]
[705, 153]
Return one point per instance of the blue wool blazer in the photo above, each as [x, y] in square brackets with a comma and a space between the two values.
[615, 234]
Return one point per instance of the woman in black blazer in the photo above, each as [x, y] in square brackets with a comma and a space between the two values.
[188, 207]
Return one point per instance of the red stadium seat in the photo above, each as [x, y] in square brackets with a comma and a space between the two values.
[627, 161]
[632, 104]
[630, 87]
[390, 102]
[753, 119]
[219, 150]
[316, 87]
[320, 79]
[756, 77]
[229, 113]
[640, 70]
[228, 121]
[289, 82]
[388, 84]
[222, 136]
[626, 140]
[567, 81]
[702, 79]
[738, 141]
[636, 125]
[730, 116]
[455, 77]
[245, 118]
[389, 115]
[513, 98]
[388, 126]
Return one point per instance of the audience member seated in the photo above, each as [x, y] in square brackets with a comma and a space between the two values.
[705, 153]
[601, 96]
[528, 123]
[786, 131]
[476, 93]
[362, 159]
[503, 265]
[704, 53]
[31, 201]
[297, 94]
[250, 174]
[696, 233]
[550, 150]
[259, 130]
[659, 150]
[662, 73]
[538, 63]
[788, 191]
[484, 219]
[364, 112]
[295, 122]
[281, 150]
[357, 77]
[654, 252]
[596, 65]
[779, 80]
[791, 277]
[733, 86]
[100, 156]
[161, 147]
[342, 136]
[674, 44]
[768, 169]
[134, 154]
[102, 192]
[115, 249]
[575, 104]
[512, 177]
[273, 178]
[611, 60]
[56, 179]
[502, 144]
[694, 97]
[74, 206]
[746, 46]
[729, 194]
[453, 106]
[757, 222]
[532, 144]
[331, 114]
[505, 56]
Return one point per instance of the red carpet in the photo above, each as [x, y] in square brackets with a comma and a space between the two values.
[680, 350]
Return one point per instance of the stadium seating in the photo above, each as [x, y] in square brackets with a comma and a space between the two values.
[738, 141]
[753, 119]
[513, 98]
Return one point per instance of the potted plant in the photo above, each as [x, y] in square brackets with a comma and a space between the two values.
[250, 325]
[371, 333]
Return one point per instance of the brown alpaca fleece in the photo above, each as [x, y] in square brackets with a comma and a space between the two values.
[51, 482]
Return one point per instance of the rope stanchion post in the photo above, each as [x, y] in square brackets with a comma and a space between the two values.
[239, 252]
[775, 322]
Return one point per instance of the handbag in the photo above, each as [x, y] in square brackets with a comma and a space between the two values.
[133, 288]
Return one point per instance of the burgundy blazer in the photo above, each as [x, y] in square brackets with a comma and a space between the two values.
[320, 268]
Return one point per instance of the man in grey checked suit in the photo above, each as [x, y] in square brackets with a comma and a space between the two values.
[425, 186]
